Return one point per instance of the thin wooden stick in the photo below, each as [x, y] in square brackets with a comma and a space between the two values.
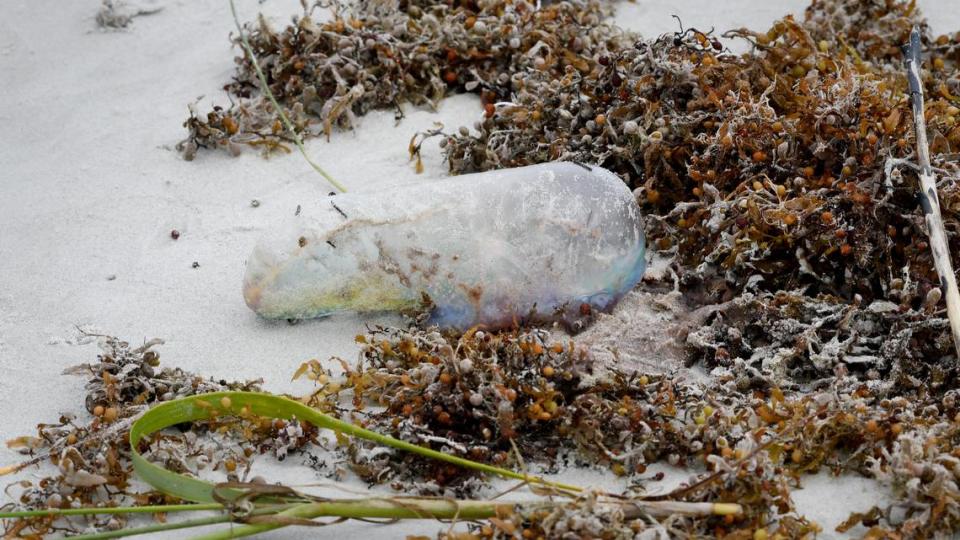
[928, 192]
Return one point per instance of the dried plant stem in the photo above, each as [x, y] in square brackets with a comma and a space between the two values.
[158, 527]
[434, 508]
[115, 429]
[265, 88]
[670, 508]
[400, 508]
[154, 509]
[372, 508]
[246, 404]
[928, 192]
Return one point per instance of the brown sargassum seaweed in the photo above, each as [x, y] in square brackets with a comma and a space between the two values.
[524, 399]
[781, 184]
[784, 172]
[785, 163]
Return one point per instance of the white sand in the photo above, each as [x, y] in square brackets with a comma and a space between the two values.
[90, 188]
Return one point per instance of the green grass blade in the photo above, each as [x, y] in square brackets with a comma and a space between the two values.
[266, 405]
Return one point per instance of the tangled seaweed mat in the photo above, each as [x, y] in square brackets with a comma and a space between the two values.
[825, 323]
[780, 182]
[786, 168]
[514, 397]
[782, 174]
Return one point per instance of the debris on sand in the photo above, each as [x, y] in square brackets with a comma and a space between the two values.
[519, 399]
[91, 452]
[117, 15]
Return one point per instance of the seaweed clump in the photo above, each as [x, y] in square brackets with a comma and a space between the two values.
[801, 341]
[518, 399]
[787, 166]
[374, 56]
[784, 168]
[92, 455]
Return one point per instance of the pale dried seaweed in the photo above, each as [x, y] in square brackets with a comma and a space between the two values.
[801, 341]
[92, 454]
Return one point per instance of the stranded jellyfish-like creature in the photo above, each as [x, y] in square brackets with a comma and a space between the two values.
[547, 242]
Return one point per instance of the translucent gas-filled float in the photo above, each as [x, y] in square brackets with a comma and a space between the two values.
[549, 242]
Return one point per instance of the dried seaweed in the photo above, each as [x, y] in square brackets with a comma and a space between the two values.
[520, 397]
[376, 56]
[781, 184]
[92, 454]
[787, 164]
[784, 167]
[118, 15]
[802, 342]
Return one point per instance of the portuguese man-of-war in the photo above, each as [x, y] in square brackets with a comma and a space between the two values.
[547, 242]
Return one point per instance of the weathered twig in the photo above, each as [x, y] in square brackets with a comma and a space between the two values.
[928, 191]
